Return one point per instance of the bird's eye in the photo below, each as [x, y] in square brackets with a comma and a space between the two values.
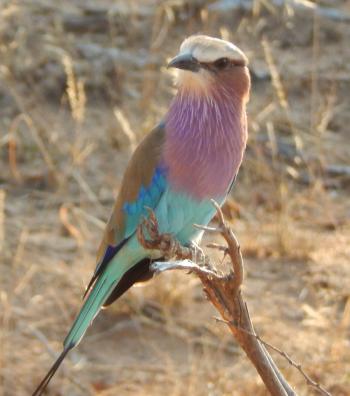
[221, 63]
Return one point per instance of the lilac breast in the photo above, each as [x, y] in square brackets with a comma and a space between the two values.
[205, 142]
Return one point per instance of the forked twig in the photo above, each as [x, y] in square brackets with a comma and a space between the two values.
[224, 292]
[292, 362]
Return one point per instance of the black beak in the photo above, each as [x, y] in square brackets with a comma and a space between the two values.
[185, 62]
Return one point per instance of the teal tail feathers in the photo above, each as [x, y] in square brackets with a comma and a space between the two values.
[90, 309]
[92, 305]
[100, 292]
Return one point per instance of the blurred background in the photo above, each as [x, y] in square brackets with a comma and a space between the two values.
[81, 82]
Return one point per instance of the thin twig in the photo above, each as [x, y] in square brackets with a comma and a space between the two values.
[206, 228]
[217, 246]
[292, 362]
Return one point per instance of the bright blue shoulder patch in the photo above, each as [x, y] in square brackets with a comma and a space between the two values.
[148, 197]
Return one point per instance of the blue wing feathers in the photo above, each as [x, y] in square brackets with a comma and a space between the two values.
[148, 196]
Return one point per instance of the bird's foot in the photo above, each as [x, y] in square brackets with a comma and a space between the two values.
[165, 243]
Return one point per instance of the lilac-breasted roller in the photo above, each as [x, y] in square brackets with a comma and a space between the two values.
[191, 157]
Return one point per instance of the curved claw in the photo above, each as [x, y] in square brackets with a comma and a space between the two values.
[151, 224]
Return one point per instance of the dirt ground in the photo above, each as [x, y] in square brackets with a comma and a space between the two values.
[80, 83]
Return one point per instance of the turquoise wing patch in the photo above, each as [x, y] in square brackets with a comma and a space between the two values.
[148, 197]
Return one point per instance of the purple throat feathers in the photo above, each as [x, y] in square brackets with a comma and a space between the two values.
[205, 142]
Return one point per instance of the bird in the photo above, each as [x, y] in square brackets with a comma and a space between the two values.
[190, 158]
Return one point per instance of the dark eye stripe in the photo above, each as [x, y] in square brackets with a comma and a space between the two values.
[222, 63]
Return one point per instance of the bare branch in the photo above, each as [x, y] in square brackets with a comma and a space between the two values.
[187, 265]
[292, 362]
[206, 228]
[224, 292]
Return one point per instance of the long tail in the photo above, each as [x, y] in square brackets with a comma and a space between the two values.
[90, 309]
[96, 298]
[43, 384]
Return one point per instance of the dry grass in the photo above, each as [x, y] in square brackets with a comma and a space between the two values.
[72, 107]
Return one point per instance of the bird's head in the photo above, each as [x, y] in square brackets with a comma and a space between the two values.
[205, 63]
